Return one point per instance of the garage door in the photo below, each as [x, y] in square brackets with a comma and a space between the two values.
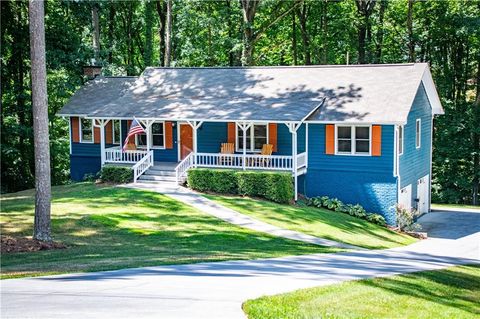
[423, 194]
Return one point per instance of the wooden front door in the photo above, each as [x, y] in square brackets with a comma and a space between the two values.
[186, 140]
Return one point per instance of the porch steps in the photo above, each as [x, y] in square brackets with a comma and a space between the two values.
[158, 173]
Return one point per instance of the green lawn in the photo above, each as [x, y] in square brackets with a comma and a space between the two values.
[439, 206]
[448, 293]
[317, 222]
[112, 228]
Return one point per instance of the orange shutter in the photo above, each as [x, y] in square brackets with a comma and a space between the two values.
[131, 140]
[108, 132]
[75, 129]
[376, 140]
[330, 139]
[231, 133]
[96, 133]
[168, 135]
[272, 135]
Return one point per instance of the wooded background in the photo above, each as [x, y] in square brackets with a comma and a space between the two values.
[131, 35]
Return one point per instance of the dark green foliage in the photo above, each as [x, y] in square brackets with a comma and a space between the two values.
[218, 181]
[353, 210]
[277, 187]
[116, 174]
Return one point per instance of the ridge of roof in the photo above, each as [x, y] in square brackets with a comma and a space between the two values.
[318, 66]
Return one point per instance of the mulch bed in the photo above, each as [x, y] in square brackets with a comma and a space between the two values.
[22, 244]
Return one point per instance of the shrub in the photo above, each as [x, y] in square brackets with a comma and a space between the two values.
[353, 210]
[200, 179]
[277, 187]
[376, 219]
[90, 177]
[116, 174]
[252, 183]
[406, 219]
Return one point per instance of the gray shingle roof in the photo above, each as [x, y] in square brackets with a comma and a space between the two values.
[367, 93]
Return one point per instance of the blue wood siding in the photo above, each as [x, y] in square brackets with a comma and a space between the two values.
[415, 163]
[210, 137]
[367, 180]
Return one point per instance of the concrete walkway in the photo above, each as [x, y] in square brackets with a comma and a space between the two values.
[196, 200]
[215, 290]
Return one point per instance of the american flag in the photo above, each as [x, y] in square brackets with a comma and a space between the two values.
[135, 128]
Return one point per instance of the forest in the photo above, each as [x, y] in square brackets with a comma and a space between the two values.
[127, 36]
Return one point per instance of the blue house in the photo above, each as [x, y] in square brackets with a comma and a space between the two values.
[361, 133]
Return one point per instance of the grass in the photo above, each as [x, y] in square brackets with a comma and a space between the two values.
[455, 206]
[448, 293]
[112, 228]
[317, 222]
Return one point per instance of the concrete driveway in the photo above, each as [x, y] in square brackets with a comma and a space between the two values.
[217, 290]
[451, 223]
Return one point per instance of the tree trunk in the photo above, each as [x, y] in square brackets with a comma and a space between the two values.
[364, 9]
[325, 32]
[161, 10]
[294, 40]
[249, 9]
[111, 25]
[302, 17]
[411, 43]
[148, 53]
[40, 122]
[168, 34]
[476, 140]
[379, 45]
[96, 33]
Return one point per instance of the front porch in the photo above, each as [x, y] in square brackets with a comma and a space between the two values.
[188, 144]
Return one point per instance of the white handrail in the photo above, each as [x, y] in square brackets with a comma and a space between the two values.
[183, 166]
[141, 166]
[301, 160]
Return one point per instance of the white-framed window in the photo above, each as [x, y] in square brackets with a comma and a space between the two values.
[418, 133]
[116, 132]
[157, 136]
[400, 139]
[353, 140]
[257, 135]
[86, 130]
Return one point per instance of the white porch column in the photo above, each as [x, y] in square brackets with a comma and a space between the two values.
[244, 126]
[101, 124]
[195, 125]
[293, 127]
[147, 125]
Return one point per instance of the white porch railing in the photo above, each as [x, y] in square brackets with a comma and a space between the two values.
[115, 155]
[141, 166]
[249, 161]
[183, 166]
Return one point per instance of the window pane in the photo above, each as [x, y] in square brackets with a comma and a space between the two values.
[142, 139]
[87, 130]
[344, 132]
[345, 146]
[240, 139]
[157, 128]
[260, 131]
[362, 146]
[362, 133]
[116, 132]
[157, 140]
[259, 141]
[86, 135]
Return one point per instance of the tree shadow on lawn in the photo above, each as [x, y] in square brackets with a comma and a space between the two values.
[301, 216]
[409, 285]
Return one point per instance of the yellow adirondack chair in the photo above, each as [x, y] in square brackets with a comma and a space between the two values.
[227, 148]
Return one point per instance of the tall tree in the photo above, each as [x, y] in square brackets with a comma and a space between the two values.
[148, 53]
[161, 11]
[168, 34]
[364, 9]
[411, 43]
[40, 121]
[96, 33]
[302, 13]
